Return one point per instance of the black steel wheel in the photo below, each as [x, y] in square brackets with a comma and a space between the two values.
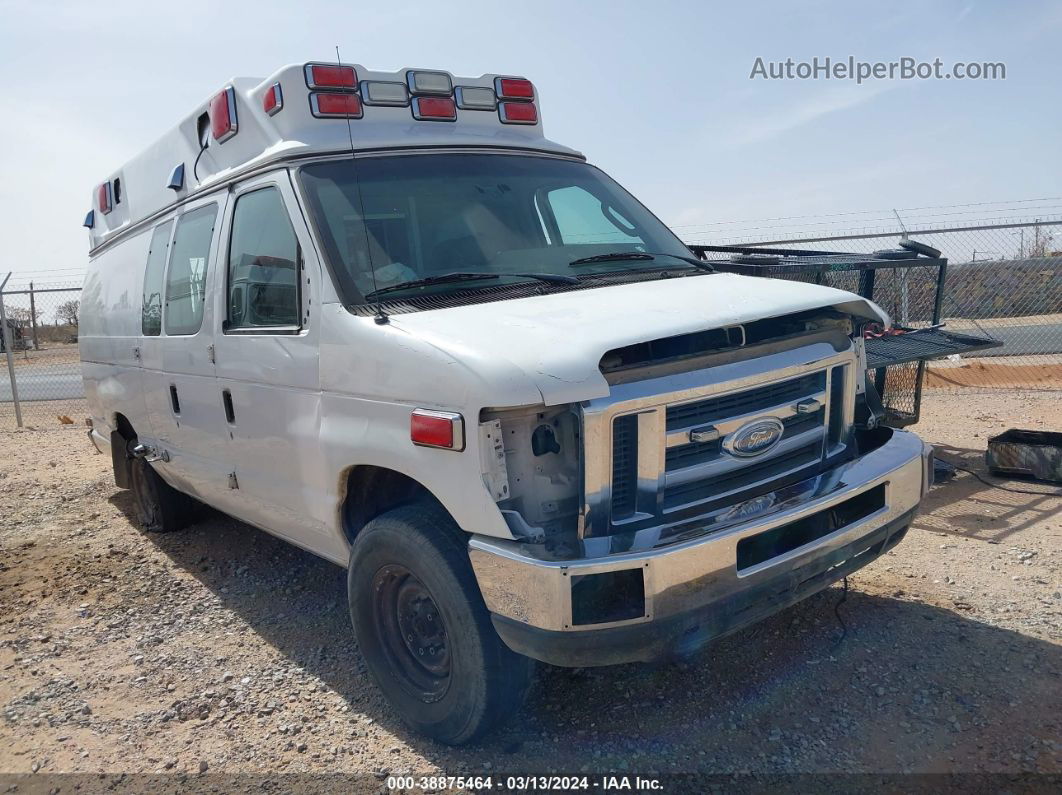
[414, 636]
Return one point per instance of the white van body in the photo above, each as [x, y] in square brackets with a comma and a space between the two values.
[304, 429]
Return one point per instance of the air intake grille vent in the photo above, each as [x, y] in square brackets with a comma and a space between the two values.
[624, 465]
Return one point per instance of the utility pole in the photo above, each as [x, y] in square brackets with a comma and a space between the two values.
[33, 320]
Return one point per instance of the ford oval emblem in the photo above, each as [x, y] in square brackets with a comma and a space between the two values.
[755, 438]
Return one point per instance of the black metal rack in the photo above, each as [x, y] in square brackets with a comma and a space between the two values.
[912, 278]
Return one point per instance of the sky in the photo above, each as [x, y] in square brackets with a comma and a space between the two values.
[657, 94]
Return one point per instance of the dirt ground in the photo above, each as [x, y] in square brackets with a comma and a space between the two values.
[222, 649]
[1027, 372]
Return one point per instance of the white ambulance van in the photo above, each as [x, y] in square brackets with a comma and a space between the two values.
[380, 316]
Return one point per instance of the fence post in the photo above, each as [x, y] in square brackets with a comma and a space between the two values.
[33, 319]
[9, 343]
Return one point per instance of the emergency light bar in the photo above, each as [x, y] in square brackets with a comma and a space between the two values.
[332, 91]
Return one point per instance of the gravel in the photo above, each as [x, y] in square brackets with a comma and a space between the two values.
[222, 649]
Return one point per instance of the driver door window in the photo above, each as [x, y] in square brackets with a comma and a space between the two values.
[263, 272]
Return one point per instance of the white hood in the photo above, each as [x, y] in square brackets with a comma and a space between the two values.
[558, 340]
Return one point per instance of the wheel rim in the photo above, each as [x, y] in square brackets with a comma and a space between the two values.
[412, 633]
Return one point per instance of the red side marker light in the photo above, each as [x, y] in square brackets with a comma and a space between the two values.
[514, 88]
[518, 112]
[319, 75]
[273, 99]
[103, 197]
[325, 105]
[443, 429]
[222, 112]
[434, 108]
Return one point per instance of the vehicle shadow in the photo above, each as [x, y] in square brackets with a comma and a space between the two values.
[964, 505]
[906, 686]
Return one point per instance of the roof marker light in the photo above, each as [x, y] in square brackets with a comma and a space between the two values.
[514, 88]
[434, 109]
[472, 98]
[273, 100]
[222, 110]
[379, 92]
[103, 198]
[518, 112]
[443, 429]
[321, 75]
[90, 219]
[429, 82]
[335, 105]
[176, 177]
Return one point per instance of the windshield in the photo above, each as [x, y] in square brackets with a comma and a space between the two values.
[415, 217]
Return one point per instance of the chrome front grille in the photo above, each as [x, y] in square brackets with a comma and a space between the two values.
[712, 409]
[670, 452]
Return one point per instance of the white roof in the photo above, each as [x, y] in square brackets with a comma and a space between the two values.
[293, 131]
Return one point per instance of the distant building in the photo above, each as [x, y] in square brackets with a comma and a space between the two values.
[15, 332]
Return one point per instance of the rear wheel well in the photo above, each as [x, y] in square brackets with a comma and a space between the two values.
[124, 427]
[371, 491]
[121, 436]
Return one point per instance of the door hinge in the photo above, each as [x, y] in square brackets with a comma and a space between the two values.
[136, 354]
[233, 483]
[210, 353]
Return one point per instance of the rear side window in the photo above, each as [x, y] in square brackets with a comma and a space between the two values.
[151, 314]
[186, 276]
[263, 263]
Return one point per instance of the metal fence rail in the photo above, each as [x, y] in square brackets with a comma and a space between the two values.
[41, 382]
[1004, 281]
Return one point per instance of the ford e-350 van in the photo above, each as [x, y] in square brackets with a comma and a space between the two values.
[379, 315]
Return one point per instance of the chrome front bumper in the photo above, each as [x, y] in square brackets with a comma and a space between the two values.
[530, 596]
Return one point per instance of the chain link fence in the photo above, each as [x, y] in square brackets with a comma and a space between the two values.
[40, 370]
[1003, 281]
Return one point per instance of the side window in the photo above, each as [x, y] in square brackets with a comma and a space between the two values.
[151, 313]
[582, 219]
[186, 276]
[263, 263]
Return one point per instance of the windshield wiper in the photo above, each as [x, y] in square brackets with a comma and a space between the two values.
[610, 257]
[468, 276]
[617, 256]
[444, 278]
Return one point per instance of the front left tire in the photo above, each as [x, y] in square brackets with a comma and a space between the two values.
[423, 628]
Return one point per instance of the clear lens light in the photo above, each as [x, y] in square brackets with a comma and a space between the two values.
[473, 98]
[383, 93]
[429, 83]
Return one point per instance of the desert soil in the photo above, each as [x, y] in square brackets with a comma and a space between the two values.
[223, 649]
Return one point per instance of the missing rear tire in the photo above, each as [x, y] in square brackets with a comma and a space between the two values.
[160, 508]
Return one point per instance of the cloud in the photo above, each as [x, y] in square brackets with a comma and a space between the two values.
[755, 129]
